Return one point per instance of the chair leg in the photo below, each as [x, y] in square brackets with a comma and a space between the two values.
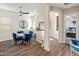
[24, 42]
[15, 43]
[29, 42]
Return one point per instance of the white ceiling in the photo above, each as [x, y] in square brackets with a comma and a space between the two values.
[32, 7]
[27, 7]
[62, 6]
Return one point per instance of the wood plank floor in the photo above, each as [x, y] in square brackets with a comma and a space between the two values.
[59, 49]
[34, 49]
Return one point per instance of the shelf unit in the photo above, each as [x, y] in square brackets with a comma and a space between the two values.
[68, 19]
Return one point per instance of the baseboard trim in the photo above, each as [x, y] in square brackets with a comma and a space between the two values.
[53, 38]
[48, 50]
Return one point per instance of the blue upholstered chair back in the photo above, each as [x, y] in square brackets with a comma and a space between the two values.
[75, 42]
[28, 37]
[74, 45]
[14, 36]
[30, 32]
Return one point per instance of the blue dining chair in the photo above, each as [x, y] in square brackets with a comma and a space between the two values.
[28, 37]
[74, 46]
[31, 33]
[15, 38]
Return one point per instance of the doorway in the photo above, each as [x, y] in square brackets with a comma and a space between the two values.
[54, 25]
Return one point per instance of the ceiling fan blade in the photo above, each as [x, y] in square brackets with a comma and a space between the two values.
[25, 13]
[67, 3]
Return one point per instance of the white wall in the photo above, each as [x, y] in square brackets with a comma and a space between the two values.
[26, 18]
[5, 34]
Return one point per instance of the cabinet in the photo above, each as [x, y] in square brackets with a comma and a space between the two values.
[40, 37]
[71, 27]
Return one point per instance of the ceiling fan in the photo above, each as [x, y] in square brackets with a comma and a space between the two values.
[21, 12]
[67, 3]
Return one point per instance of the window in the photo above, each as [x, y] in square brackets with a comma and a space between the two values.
[4, 20]
[4, 23]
